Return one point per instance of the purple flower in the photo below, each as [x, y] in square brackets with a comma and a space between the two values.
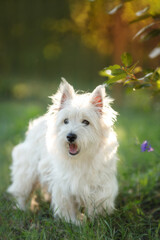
[146, 147]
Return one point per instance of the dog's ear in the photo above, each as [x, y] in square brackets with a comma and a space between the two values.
[97, 98]
[67, 92]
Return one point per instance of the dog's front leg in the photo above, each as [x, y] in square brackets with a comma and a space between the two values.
[67, 208]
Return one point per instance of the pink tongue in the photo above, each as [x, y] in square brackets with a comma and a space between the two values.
[73, 148]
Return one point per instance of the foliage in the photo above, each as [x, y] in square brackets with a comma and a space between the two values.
[128, 75]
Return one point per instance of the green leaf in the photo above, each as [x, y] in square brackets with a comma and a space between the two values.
[119, 77]
[103, 73]
[126, 59]
[116, 66]
[111, 71]
[117, 72]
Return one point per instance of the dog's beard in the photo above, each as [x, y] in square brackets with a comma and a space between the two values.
[86, 144]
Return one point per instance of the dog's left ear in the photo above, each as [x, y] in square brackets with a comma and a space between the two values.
[97, 97]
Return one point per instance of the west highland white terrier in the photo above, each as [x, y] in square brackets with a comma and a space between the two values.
[72, 152]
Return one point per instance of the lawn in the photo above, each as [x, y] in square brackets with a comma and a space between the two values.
[138, 205]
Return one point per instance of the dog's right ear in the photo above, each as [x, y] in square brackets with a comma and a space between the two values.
[67, 92]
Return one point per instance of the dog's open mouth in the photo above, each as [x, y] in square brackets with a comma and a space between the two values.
[73, 149]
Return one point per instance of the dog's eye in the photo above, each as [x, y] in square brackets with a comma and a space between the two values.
[66, 121]
[85, 122]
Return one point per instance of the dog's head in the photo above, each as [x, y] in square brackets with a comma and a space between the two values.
[79, 121]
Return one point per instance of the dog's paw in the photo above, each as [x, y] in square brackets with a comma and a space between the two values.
[81, 218]
[34, 206]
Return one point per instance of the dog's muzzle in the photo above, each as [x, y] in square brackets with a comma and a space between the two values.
[73, 148]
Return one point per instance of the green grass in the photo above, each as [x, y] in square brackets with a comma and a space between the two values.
[138, 204]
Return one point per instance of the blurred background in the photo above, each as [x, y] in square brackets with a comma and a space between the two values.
[42, 41]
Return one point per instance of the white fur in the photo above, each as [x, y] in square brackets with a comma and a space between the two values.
[87, 179]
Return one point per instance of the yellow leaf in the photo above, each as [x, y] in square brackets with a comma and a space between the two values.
[158, 84]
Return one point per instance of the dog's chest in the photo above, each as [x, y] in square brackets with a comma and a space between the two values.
[80, 182]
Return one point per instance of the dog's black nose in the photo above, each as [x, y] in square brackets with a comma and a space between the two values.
[71, 137]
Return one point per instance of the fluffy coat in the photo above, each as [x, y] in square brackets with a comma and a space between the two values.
[77, 172]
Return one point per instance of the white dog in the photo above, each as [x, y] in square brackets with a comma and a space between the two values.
[71, 151]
